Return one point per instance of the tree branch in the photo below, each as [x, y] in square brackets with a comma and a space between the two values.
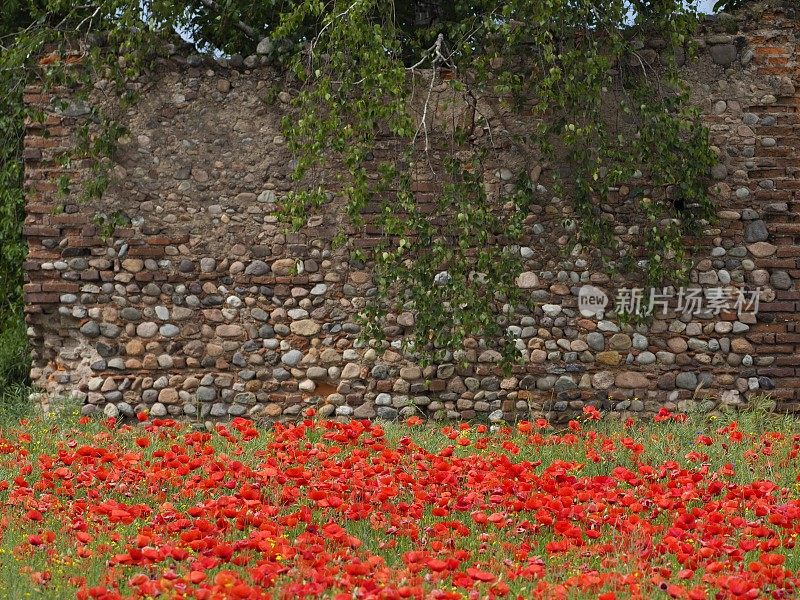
[241, 26]
[315, 41]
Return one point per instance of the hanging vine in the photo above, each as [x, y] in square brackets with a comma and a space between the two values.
[367, 74]
[565, 65]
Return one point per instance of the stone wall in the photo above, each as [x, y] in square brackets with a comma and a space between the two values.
[203, 306]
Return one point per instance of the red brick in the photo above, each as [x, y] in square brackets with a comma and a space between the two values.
[42, 253]
[42, 298]
[72, 219]
[778, 372]
[773, 263]
[38, 208]
[84, 242]
[771, 51]
[41, 231]
[156, 240]
[145, 251]
[64, 287]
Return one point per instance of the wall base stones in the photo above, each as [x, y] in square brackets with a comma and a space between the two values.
[203, 307]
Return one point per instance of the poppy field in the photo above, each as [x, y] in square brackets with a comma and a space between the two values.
[678, 508]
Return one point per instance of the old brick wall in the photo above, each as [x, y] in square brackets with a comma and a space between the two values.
[205, 307]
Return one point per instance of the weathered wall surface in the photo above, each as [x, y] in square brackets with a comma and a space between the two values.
[204, 306]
